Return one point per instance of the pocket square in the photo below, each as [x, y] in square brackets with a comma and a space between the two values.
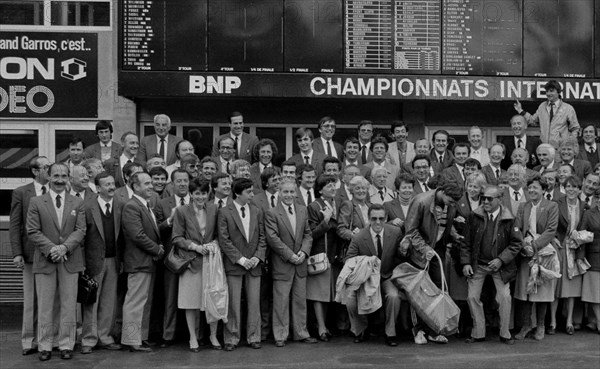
[73, 213]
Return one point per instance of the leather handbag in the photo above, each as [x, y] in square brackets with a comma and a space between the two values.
[318, 263]
[87, 289]
[178, 260]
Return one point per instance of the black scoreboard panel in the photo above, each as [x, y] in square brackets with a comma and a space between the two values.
[245, 35]
[312, 36]
[549, 38]
[558, 38]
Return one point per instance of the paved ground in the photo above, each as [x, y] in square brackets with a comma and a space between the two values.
[559, 351]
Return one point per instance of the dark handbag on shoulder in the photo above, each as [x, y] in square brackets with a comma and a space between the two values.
[87, 289]
[178, 260]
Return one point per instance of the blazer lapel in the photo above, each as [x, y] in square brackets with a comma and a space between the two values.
[68, 206]
[286, 220]
[526, 215]
[148, 214]
[253, 222]
[564, 210]
[370, 243]
[98, 219]
[48, 200]
[237, 219]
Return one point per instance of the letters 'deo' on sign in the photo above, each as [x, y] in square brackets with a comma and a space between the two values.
[48, 75]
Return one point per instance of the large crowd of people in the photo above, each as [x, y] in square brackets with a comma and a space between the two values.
[249, 247]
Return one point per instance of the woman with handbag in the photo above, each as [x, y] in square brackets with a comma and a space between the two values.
[320, 284]
[194, 227]
[538, 221]
[570, 210]
[590, 289]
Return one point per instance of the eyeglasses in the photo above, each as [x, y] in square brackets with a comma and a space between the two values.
[226, 148]
[375, 219]
[194, 165]
[366, 130]
[421, 167]
[488, 198]
[328, 126]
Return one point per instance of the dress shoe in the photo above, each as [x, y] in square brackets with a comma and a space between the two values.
[523, 333]
[323, 337]
[391, 341]
[473, 340]
[29, 351]
[229, 347]
[112, 346]
[507, 341]
[309, 340]
[45, 355]
[551, 330]
[139, 348]
[255, 345]
[86, 349]
[420, 338]
[539, 333]
[577, 327]
[148, 343]
[570, 330]
[66, 354]
[359, 338]
[279, 343]
[166, 343]
[195, 349]
[437, 339]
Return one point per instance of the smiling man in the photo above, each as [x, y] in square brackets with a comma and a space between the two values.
[105, 148]
[243, 143]
[161, 142]
[325, 144]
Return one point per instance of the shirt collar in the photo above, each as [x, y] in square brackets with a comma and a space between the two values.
[129, 191]
[186, 198]
[103, 203]
[53, 194]
[373, 234]
[587, 147]
[234, 136]
[495, 213]
[166, 138]
[238, 206]
[38, 187]
[109, 144]
[141, 199]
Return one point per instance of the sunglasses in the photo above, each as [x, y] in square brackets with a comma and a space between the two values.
[488, 198]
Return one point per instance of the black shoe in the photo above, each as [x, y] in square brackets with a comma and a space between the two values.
[148, 343]
[29, 351]
[229, 347]
[166, 343]
[111, 346]
[309, 340]
[255, 345]
[66, 354]
[195, 349]
[474, 340]
[45, 355]
[391, 341]
[323, 337]
[359, 338]
[86, 349]
[139, 348]
[508, 341]
[279, 343]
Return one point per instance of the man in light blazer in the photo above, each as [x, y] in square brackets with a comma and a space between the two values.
[23, 249]
[243, 143]
[142, 249]
[379, 147]
[289, 237]
[161, 143]
[324, 144]
[381, 240]
[102, 250]
[242, 240]
[56, 228]
[106, 148]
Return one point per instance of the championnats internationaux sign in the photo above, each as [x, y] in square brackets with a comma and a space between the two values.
[351, 86]
[48, 75]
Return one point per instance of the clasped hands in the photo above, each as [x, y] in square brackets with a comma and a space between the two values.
[249, 263]
[298, 258]
[58, 253]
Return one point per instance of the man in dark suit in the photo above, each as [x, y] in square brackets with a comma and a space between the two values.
[307, 155]
[520, 139]
[493, 170]
[289, 237]
[226, 155]
[553, 192]
[221, 186]
[365, 135]
[56, 228]
[381, 240]
[106, 148]
[101, 251]
[351, 153]
[265, 151]
[23, 249]
[456, 171]
[568, 149]
[161, 143]
[546, 154]
[588, 150]
[325, 145]
[169, 283]
[115, 166]
[344, 193]
[142, 249]
[242, 240]
[380, 147]
[243, 143]
[422, 172]
[306, 175]
[440, 153]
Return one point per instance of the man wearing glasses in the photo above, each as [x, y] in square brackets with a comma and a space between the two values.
[489, 247]
[226, 154]
[325, 144]
[365, 134]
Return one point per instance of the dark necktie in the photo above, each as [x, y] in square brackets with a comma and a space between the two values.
[364, 154]
[273, 201]
[425, 189]
[497, 173]
[328, 149]
[441, 158]
[58, 202]
[290, 210]
[309, 197]
[587, 200]
[43, 190]
[161, 149]
[379, 247]
[243, 209]
[306, 159]
[77, 194]
[381, 195]
[551, 111]
[128, 161]
[592, 150]
[220, 204]
[519, 143]
[491, 218]
[107, 212]
[236, 147]
[548, 196]
[227, 168]
[516, 196]
[181, 201]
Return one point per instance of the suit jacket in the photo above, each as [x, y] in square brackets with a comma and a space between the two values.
[393, 209]
[95, 151]
[349, 218]
[186, 230]
[392, 172]
[563, 228]
[582, 168]
[285, 243]
[489, 174]
[394, 153]
[142, 238]
[113, 166]
[375, 198]
[162, 210]
[341, 195]
[484, 158]
[318, 147]
[19, 205]
[247, 146]
[220, 168]
[417, 189]
[584, 155]
[94, 242]
[122, 196]
[45, 233]
[255, 177]
[263, 201]
[537, 168]
[233, 242]
[546, 222]
[463, 209]
[316, 161]
[88, 194]
[148, 148]
[448, 159]
[362, 244]
[531, 146]
[323, 233]
[453, 173]
[564, 122]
